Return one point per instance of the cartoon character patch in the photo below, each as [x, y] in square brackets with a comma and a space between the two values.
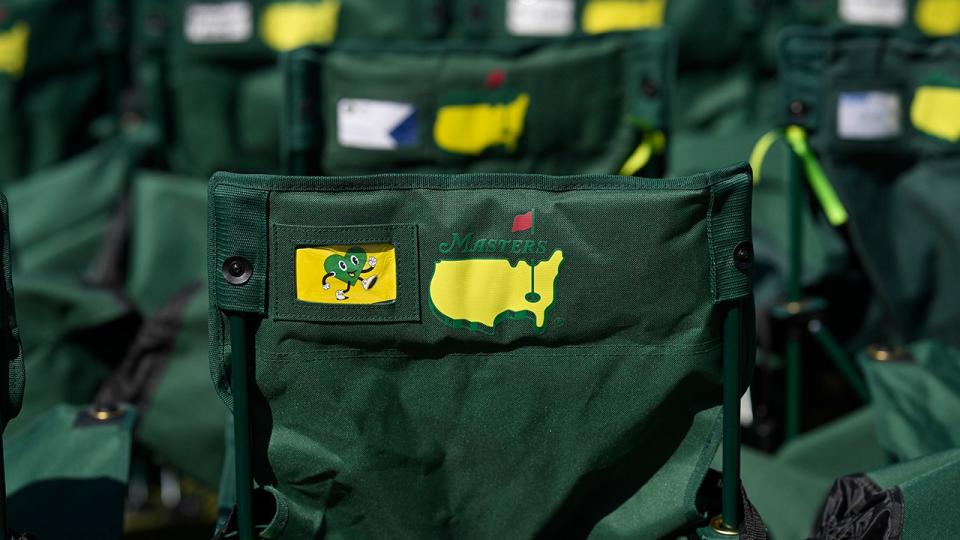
[349, 269]
[347, 274]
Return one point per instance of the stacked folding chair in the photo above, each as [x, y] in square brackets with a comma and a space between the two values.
[481, 108]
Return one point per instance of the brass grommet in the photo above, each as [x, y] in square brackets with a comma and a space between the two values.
[794, 307]
[102, 412]
[721, 528]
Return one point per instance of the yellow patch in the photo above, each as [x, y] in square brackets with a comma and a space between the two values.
[482, 290]
[471, 129]
[600, 16]
[938, 18]
[289, 25]
[323, 274]
[936, 111]
[13, 49]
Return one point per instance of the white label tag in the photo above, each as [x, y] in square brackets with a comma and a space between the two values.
[541, 17]
[376, 125]
[874, 12]
[868, 116]
[224, 22]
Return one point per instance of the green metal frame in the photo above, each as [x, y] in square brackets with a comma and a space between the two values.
[241, 366]
[794, 312]
[734, 350]
[734, 354]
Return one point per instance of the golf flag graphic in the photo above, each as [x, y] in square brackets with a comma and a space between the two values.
[523, 222]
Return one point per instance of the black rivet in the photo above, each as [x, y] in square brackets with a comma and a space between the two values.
[237, 270]
[743, 256]
[798, 109]
[649, 88]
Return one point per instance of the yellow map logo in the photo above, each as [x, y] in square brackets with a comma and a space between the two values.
[13, 49]
[347, 274]
[478, 293]
[286, 26]
[472, 128]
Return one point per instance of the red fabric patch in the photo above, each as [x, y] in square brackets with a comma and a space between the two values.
[523, 222]
[496, 78]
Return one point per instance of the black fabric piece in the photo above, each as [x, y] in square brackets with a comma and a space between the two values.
[109, 268]
[858, 509]
[134, 380]
[752, 527]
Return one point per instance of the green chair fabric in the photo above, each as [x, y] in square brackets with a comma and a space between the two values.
[913, 499]
[67, 474]
[208, 69]
[491, 381]
[59, 71]
[788, 488]
[882, 115]
[71, 325]
[12, 362]
[916, 395]
[353, 110]
[164, 372]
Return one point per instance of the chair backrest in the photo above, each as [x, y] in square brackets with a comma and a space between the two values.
[566, 107]
[56, 62]
[207, 69]
[484, 355]
[882, 116]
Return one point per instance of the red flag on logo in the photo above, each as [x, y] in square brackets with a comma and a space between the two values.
[523, 222]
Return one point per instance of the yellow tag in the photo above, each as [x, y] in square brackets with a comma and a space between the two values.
[13, 49]
[471, 129]
[936, 111]
[483, 291]
[938, 18]
[288, 25]
[601, 16]
[348, 274]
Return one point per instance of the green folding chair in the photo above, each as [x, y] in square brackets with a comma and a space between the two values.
[207, 69]
[481, 355]
[60, 71]
[588, 105]
[874, 121]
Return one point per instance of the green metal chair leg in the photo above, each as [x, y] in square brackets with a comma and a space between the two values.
[240, 343]
[733, 351]
[840, 358]
[795, 217]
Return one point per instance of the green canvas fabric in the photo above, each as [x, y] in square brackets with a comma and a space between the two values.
[208, 69]
[181, 417]
[788, 488]
[587, 416]
[890, 171]
[74, 325]
[913, 499]
[476, 108]
[917, 399]
[9, 330]
[67, 475]
[57, 58]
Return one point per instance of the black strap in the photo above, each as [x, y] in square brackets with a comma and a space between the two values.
[134, 380]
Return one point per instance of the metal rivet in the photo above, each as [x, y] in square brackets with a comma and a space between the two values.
[883, 353]
[798, 109]
[102, 412]
[743, 256]
[237, 270]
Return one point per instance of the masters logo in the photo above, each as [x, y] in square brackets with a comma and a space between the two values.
[480, 292]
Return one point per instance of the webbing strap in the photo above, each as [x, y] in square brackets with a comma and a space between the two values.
[759, 153]
[819, 183]
[650, 143]
[822, 189]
